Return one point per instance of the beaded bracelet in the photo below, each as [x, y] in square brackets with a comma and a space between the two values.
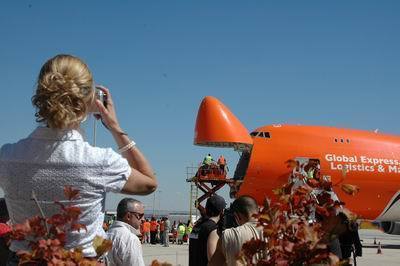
[128, 146]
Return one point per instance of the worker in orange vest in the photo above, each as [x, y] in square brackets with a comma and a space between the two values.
[222, 163]
[146, 231]
[153, 230]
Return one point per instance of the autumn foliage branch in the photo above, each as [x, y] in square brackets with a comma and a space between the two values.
[47, 237]
[301, 223]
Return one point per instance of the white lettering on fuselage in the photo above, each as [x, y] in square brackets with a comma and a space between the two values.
[341, 162]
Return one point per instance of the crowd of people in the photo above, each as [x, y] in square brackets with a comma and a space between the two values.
[161, 231]
[209, 242]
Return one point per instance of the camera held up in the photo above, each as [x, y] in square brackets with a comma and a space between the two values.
[101, 96]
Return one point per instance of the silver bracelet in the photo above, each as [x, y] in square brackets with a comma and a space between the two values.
[128, 146]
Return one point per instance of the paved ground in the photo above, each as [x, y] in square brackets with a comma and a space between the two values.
[178, 254]
[390, 249]
[174, 254]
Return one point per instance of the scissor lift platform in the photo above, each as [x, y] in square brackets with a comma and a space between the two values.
[209, 184]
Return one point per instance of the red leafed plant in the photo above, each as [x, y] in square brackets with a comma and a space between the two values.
[299, 226]
[157, 263]
[47, 237]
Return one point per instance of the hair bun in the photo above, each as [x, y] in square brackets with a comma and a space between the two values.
[59, 81]
[64, 91]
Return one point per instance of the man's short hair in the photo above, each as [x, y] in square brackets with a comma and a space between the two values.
[123, 207]
[245, 205]
[215, 205]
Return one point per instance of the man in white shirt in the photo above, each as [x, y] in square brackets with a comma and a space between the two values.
[126, 247]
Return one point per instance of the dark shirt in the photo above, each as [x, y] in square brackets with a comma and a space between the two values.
[348, 239]
[198, 242]
[5, 253]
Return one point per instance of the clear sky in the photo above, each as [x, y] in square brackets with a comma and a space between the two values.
[333, 63]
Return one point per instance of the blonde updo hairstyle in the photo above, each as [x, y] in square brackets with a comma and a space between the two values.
[64, 92]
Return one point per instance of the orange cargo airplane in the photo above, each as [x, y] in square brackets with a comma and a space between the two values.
[371, 159]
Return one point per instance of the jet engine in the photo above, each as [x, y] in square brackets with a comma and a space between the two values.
[392, 228]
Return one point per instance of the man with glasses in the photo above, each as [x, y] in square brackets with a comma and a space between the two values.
[124, 232]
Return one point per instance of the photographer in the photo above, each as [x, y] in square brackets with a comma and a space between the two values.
[55, 155]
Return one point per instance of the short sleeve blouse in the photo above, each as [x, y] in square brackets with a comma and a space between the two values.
[46, 162]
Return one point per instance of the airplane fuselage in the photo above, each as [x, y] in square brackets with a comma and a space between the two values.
[369, 160]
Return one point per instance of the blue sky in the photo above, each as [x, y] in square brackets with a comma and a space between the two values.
[331, 63]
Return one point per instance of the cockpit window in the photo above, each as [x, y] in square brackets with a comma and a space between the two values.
[266, 135]
[260, 134]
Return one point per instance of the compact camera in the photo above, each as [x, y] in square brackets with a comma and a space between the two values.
[101, 96]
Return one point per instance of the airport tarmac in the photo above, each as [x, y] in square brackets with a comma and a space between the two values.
[178, 254]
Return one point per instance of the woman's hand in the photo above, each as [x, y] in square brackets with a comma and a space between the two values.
[142, 180]
[108, 115]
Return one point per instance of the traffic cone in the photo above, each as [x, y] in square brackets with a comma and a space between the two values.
[374, 240]
[379, 249]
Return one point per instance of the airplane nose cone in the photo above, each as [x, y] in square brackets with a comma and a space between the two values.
[216, 126]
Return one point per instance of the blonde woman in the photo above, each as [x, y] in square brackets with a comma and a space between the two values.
[56, 154]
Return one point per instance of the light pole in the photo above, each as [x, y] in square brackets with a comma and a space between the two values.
[159, 201]
[154, 203]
